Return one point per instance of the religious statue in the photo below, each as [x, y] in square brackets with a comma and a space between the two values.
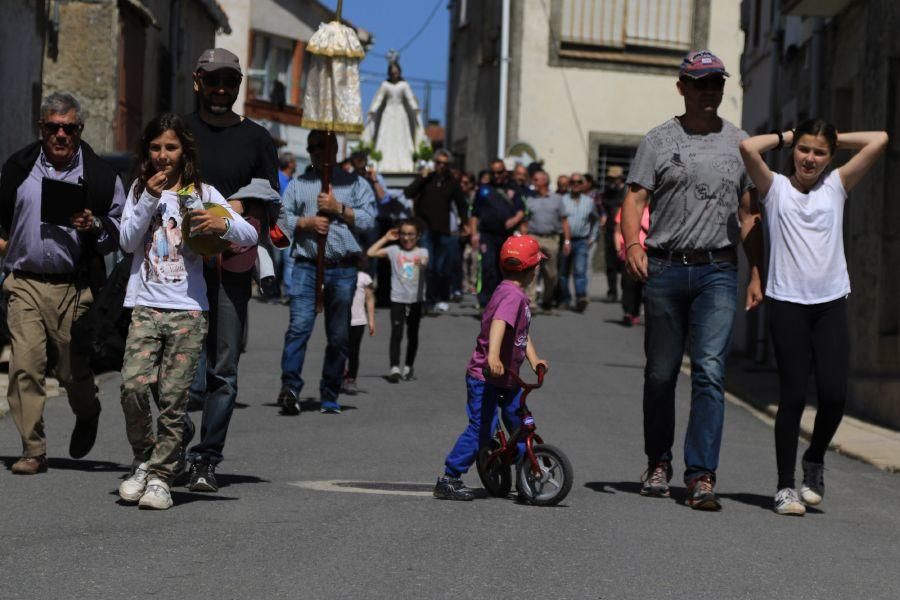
[394, 125]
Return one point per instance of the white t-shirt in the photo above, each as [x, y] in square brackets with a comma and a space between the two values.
[165, 273]
[358, 308]
[806, 258]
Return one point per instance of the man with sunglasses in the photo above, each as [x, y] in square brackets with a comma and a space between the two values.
[340, 213]
[434, 195]
[51, 268]
[701, 203]
[232, 151]
[496, 214]
[583, 218]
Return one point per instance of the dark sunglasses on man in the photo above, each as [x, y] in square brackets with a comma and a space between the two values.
[215, 80]
[50, 127]
[714, 84]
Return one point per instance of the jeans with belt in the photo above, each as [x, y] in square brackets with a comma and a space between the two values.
[693, 304]
[340, 284]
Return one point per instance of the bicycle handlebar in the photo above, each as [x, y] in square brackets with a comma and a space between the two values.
[541, 371]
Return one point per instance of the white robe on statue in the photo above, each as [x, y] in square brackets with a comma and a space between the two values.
[395, 127]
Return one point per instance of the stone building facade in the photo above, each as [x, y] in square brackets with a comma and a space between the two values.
[840, 60]
[125, 60]
[587, 78]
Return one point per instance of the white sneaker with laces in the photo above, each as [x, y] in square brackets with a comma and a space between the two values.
[132, 488]
[442, 307]
[813, 489]
[156, 495]
[787, 502]
[394, 376]
[407, 373]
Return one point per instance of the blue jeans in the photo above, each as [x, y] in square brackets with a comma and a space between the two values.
[440, 248]
[340, 283]
[287, 268]
[483, 400]
[227, 316]
[693, 304]
[577, 260]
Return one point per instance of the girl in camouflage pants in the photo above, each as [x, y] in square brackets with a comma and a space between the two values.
[168, 294]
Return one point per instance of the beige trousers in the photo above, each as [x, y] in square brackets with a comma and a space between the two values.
[549, 271]
[40, 317]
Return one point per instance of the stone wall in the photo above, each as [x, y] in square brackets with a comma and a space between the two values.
[86, 65]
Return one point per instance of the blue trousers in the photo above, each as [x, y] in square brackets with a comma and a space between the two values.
[693, 305]
[441, 247]
[576, 261]
[340, 283]
[481, 407]
[217, 373]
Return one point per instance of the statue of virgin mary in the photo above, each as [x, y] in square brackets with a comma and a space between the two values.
[394, 125]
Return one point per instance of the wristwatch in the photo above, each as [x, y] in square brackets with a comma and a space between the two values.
[96, 226]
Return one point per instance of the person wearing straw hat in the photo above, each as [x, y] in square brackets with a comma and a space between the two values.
[689, 170]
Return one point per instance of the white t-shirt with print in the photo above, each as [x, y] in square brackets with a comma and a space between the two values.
[358, 308]
[806, 258]
[165, 273]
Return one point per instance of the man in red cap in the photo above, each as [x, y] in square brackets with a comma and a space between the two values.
[690, 171]
[502, 345]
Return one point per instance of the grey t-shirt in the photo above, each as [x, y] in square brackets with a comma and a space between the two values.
[696, 182]
[407, 274]
[545, 214]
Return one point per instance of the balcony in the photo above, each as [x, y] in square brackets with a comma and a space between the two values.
[814, 8]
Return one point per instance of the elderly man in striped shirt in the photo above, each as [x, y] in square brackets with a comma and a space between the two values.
[346, 208]
[583, 222]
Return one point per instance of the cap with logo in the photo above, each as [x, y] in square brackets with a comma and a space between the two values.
[215, 59]
[520, 252]
[700, 64]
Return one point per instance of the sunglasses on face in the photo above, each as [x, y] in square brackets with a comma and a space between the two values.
[498, 172]
[213, 80]
[576, 181]
[442, 162]
[50, 128]
[703, 84]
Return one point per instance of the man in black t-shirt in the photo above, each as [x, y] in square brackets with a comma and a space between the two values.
[232, 150]
[496, 213]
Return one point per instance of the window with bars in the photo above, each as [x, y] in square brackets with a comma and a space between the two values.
[623, 24]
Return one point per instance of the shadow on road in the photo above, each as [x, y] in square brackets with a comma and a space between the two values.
[679, 494]
[226, 479]
[70, 464]
[308, 405]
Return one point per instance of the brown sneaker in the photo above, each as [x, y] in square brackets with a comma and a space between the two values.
[700, 494]
[30, 465]
[655, 480]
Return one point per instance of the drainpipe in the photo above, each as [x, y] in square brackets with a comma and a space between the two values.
[504, 79]
[174, 51]
[815, 79]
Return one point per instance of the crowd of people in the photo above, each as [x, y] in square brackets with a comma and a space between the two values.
[212, 206]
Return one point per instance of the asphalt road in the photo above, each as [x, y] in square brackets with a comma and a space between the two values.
[278, 529]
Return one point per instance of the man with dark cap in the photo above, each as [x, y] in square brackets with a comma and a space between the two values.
[690, 171]
[233, 150]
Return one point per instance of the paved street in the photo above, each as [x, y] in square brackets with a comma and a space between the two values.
[272, 532]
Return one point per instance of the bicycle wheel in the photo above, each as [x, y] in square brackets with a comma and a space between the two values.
[555, 480]
[496, 478]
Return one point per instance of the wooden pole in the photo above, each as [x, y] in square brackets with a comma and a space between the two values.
[327, 168]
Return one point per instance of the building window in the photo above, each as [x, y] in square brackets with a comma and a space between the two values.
[271, 76]
[660, 24]
[646, 35]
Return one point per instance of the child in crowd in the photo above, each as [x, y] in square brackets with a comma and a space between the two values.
[501, 347]
[362, 313]
[169, 321]
[408, 263]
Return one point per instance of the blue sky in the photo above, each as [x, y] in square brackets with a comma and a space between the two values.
[393, 23]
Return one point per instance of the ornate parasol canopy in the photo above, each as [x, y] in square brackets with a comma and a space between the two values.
[331, 100]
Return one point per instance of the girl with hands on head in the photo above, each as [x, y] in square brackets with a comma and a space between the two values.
[807, 287]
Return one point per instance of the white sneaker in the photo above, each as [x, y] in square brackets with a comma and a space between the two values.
[394, 376]
[813, 489]
[787, 502]
[156, 495]
[442, 307]
[407, 373]
[132, 488]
